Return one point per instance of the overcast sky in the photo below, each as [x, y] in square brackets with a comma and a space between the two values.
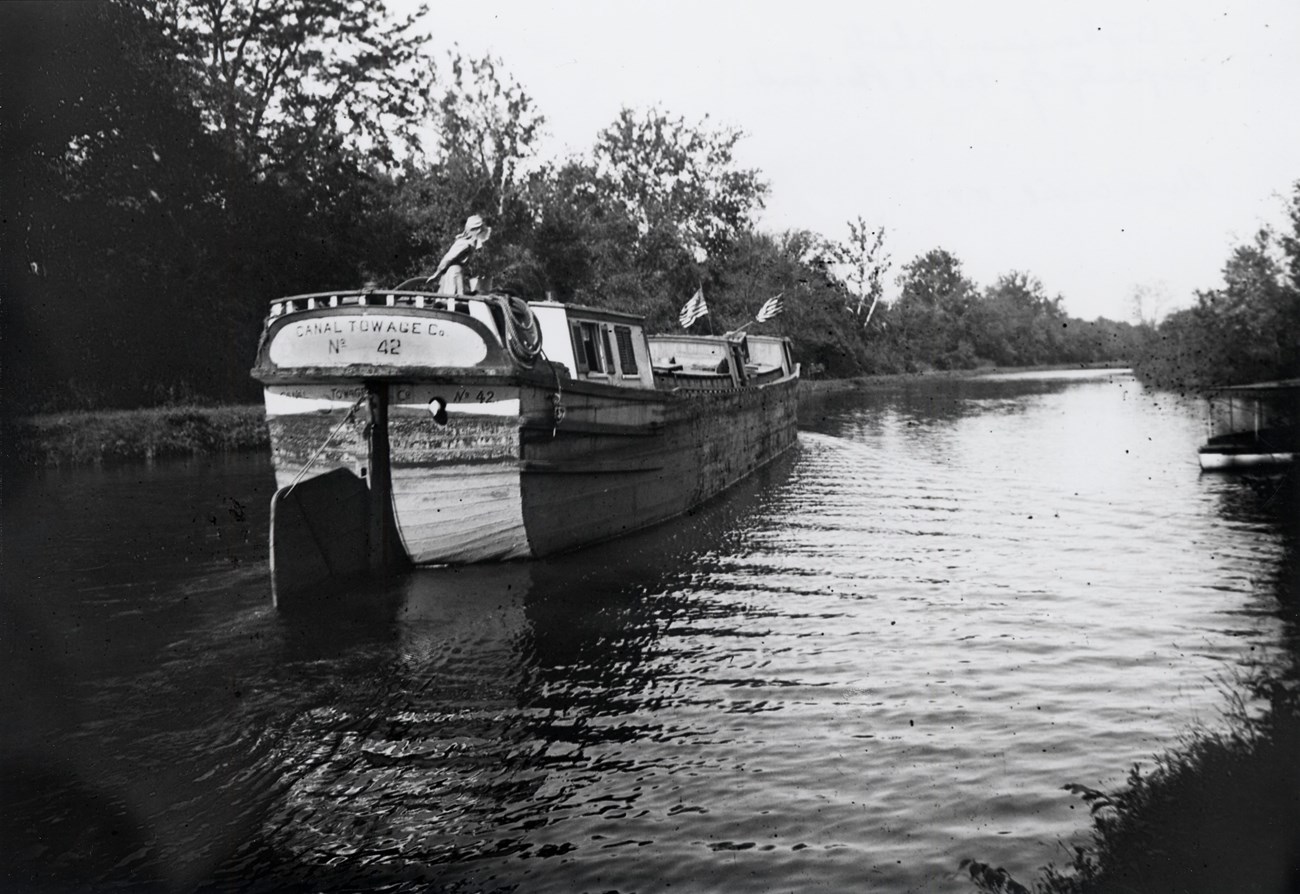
[1098, 145]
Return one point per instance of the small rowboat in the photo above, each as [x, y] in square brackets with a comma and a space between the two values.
[1252, 426]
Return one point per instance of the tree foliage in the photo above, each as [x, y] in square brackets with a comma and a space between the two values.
[930, 317]
[670, 175]
[288, 83]
[171, 166]
[1247, 330]
[865, 263]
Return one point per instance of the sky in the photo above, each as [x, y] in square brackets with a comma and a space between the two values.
[1103, 146]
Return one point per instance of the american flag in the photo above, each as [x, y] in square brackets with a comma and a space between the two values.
[770, 308]
[693, 309]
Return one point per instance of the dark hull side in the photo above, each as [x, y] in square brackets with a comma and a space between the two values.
[590, 483]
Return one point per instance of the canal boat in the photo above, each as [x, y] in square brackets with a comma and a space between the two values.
[1252, 426]
[424, 428]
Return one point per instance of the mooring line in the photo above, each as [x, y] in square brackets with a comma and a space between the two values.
[352, 410]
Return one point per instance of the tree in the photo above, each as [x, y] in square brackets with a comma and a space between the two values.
[929, 316]
[867, 263]
[488, 130]
[1017, 324]
[1253, 315]
[1290, 241]
[1247, 330]
[1149, 302]
[680, 178]
[287, 83]
[114, 190]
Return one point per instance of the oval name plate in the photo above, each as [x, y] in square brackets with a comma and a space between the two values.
[377, 340]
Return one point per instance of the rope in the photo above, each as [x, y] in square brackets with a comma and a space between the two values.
[523, 337]
[557, 399]
[352, 410]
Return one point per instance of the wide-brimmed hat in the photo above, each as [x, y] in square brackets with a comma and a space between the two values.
[475, 230]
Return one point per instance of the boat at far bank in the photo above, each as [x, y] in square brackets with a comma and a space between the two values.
[417, 427]
[1252, 426]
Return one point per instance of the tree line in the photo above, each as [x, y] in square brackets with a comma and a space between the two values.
[172, 165]
[1247, 330]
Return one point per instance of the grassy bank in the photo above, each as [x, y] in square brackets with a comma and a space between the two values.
[810, 386]
[121, 436]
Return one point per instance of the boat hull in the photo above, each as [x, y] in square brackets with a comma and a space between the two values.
[1249, 449]
[594, 482]
[1215, 460]
[486, 469]
[411, 427]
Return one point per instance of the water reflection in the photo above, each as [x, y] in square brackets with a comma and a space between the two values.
[473, 723]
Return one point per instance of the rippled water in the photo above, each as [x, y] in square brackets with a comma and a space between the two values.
[885, 652]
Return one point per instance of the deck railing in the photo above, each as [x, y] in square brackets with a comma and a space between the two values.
[319, 300]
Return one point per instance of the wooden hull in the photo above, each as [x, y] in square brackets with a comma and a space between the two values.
[499, 478]
[580, 487]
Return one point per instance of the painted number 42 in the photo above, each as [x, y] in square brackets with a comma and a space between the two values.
[390, 346]
[463, 395]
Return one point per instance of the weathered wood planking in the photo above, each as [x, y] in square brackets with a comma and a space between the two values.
[705, 444]
[458, 515]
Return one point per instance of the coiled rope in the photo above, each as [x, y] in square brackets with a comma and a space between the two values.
[523, 335]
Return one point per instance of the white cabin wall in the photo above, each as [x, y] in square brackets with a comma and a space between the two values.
[554, 322]
[644, 363]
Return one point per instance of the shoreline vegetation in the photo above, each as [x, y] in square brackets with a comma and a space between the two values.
[118, 437]
[1219, 812]
[159, 185]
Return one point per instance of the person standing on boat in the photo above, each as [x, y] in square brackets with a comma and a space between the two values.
[452, 275]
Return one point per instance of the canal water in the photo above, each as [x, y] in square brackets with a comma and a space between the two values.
[886, 652]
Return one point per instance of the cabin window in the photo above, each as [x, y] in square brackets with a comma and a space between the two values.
[586, 347]
[579, 355]
[626, 355]
[609, 351]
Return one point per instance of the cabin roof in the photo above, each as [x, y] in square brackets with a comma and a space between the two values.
[594, 313]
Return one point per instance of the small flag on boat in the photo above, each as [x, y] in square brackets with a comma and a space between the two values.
[770, 308]
[693, 309]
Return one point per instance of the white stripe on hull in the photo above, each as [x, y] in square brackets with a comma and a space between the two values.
[294, 400]
[1211, 461]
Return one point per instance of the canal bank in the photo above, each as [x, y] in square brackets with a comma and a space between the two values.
[113, 437]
